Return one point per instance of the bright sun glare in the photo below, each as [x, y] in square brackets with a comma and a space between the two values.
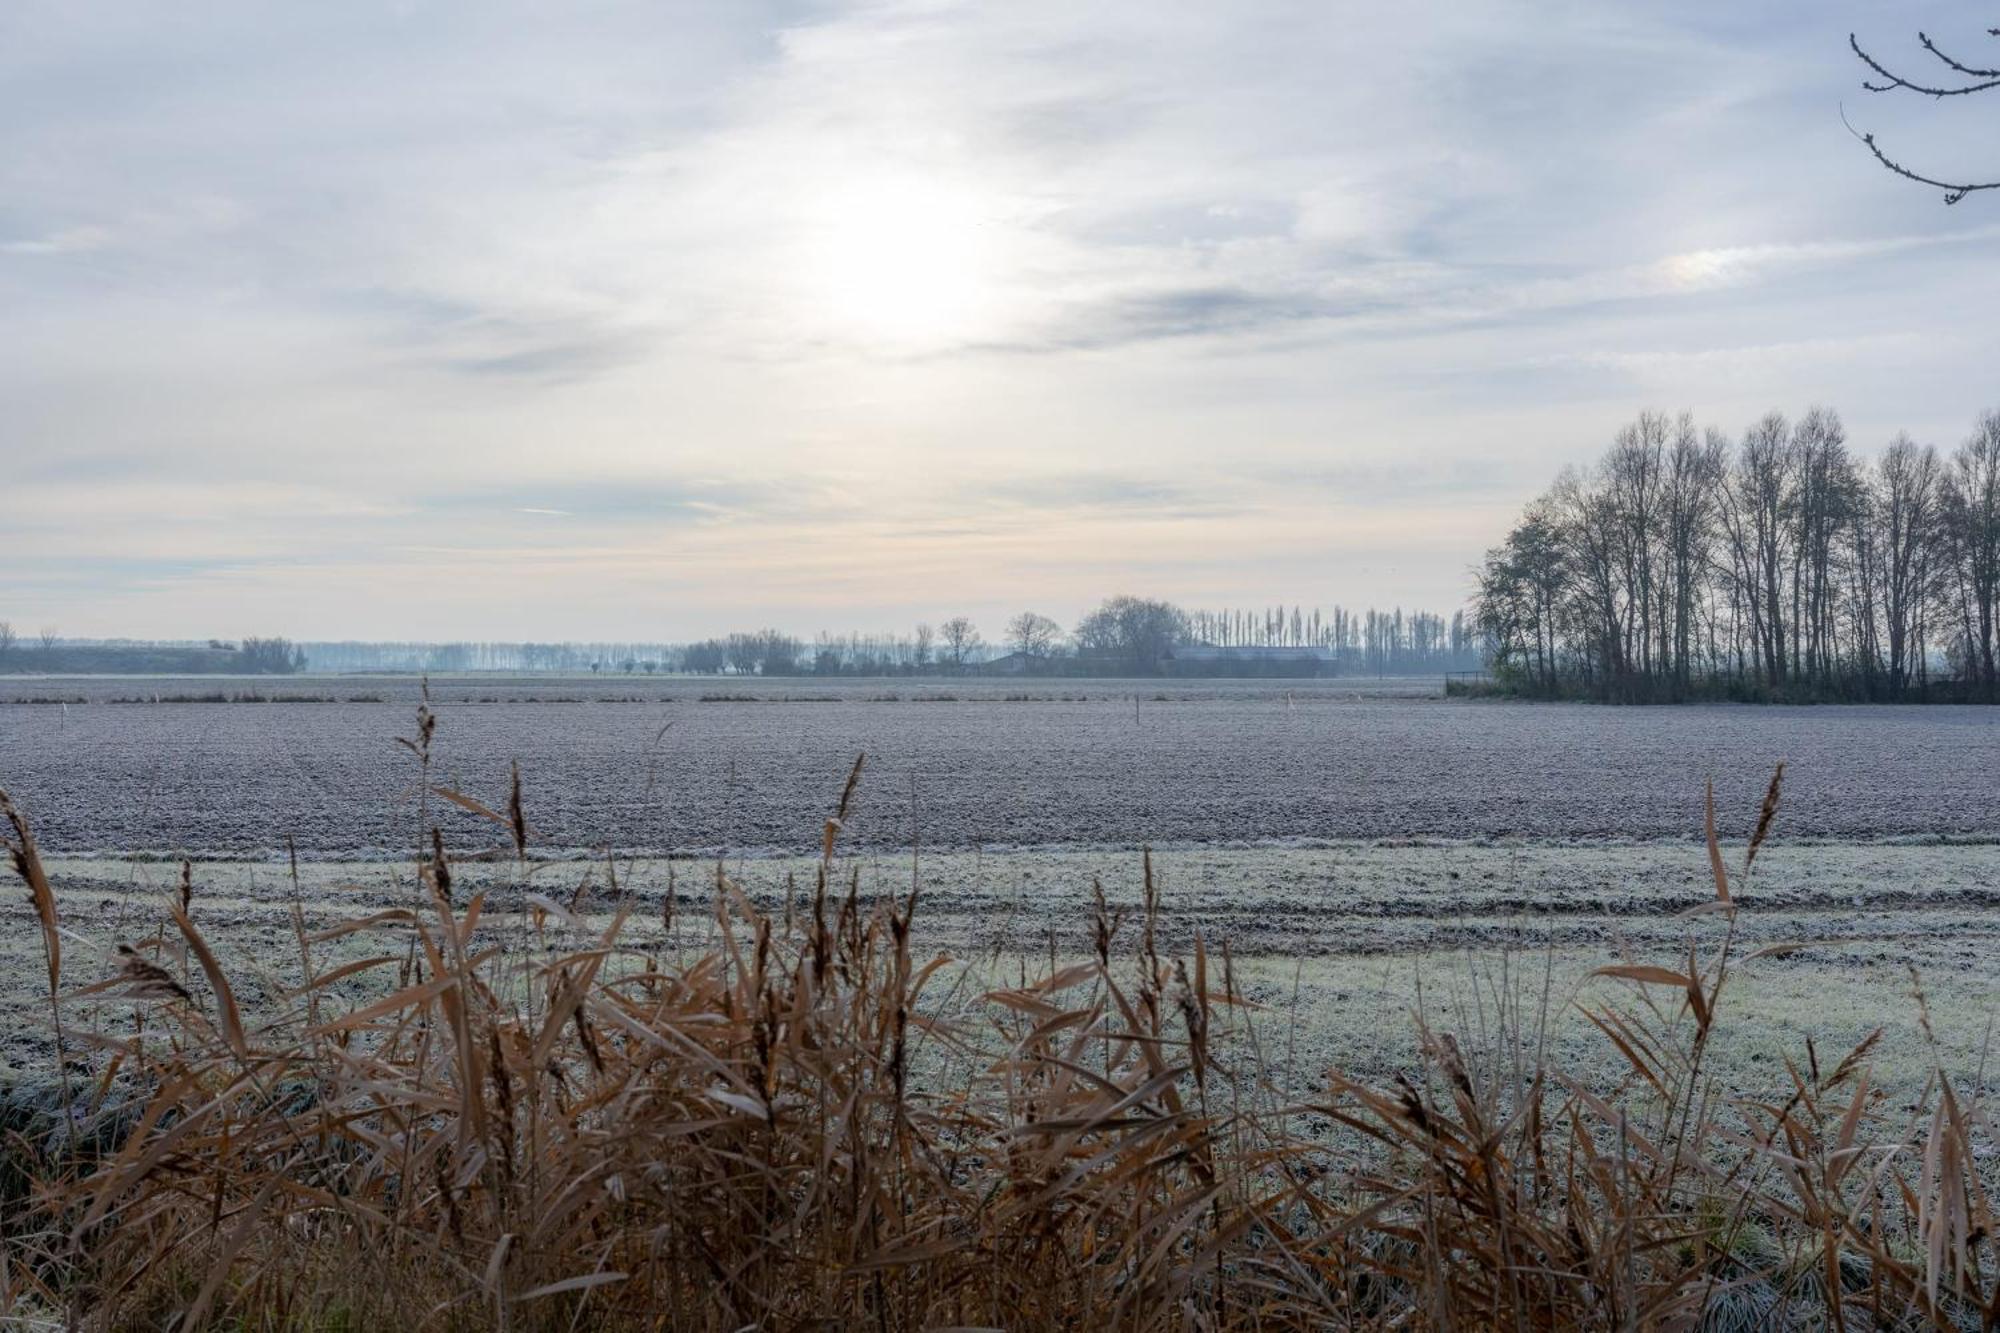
[899, 260]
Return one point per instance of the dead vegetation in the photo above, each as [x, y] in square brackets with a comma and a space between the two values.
[498, 1116]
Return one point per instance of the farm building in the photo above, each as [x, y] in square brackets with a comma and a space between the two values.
[1012, 664]
[1207, 659]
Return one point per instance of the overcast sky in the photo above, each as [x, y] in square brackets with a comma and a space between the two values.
[420, 320]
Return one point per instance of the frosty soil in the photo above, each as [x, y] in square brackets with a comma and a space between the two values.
[1250, 764]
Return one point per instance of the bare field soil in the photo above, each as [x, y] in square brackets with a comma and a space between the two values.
[1252, 764]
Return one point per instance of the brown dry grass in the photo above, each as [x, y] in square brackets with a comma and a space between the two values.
[499, 1117]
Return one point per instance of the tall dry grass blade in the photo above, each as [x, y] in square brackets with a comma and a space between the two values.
[137, 978]
[218, 982]
[517, 817]
[1714, 847]
[853, 782]
[1646, 973]
[839, 820]
[1765, 815]
[28, 865]
[1853, 1061]
[472, 804]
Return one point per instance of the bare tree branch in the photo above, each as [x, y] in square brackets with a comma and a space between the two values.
[1969, 71]
[1895, 80]
[1985, 81]
[1953, 192]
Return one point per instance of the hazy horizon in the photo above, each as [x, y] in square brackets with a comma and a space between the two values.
[401, 321]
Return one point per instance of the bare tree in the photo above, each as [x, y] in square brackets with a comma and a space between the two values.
[1972, 508]
[1032, 635]
[1905, 503]
[1692, 487]
[1588, 518]
[281, 657]
[6, 639]
[1136, 633]
[922, 655]
[706, 658]
[959, 640]
[49, 638]
[1827, 493]
[1760, 505]
[768, 652]
[1521, 587]
[1962, 80]
[1790, 569]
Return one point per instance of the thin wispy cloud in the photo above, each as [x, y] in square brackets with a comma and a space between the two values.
[68, 241]
[846, 313]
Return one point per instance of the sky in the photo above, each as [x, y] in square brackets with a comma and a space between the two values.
[389, 319]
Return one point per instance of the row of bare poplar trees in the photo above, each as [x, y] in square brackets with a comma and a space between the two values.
[1780, 564]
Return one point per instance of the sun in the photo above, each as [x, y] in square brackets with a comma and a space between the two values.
[899, 260]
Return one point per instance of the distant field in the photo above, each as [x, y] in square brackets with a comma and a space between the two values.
[960, 765]
[617, 688]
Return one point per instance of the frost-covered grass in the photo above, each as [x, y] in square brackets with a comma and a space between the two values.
[1360, 929]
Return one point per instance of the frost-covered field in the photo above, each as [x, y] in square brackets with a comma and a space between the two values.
[621, 688]
[1075, 765]
[1341, 943]
[1349, 840]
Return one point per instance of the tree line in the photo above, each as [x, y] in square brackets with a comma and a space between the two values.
[1379, 643]
[1124, 635]
[50, 653]
[1779, 564]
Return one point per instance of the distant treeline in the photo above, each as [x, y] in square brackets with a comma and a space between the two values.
[1125, 636]
[50, 653]
[1780, 565]
[414, 656]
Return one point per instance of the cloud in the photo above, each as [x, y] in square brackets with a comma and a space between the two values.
[1129, 495]
[910, 302]
[67, 241]
[1759, 363]
[547, 362]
